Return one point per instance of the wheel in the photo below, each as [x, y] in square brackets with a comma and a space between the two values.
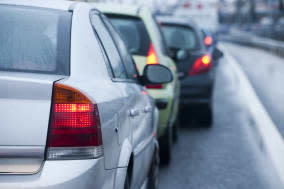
[176, 130]
[154, 172]
[166, 147]
[127, 183]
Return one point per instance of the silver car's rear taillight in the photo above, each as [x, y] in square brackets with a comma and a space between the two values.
[74, 130]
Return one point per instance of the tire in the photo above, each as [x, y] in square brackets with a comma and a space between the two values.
[166, 147]
[127, 182]
[154, 172]
[176, 130]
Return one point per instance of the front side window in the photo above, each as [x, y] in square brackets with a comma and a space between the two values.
[34, 40]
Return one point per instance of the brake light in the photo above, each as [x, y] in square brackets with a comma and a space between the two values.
[152, 55]
[159, 86]
[153, 59]
[74, 131]
[201, 65]
[187, 5]
[199, 6]
[208, 41]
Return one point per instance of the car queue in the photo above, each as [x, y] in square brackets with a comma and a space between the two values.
[91, 92]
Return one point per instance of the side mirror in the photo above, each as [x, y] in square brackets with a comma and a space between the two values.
[217, 54]
[156, 74]
[181, 54]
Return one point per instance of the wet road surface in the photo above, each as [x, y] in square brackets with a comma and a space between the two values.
[227, 155]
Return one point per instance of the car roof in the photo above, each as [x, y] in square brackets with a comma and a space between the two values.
[52, 4]
[177, 21]
[114, 8]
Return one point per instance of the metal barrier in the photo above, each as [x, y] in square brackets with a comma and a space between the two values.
[244, 38]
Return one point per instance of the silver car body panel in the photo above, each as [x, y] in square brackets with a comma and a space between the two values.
[21, 159]
[122, 133]
[23, 139]
[72, 174]
[24, 128]
[52, 4]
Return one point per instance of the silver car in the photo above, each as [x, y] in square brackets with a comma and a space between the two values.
[74, 111]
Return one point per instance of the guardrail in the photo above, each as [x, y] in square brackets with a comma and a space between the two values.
[264, 131]
[244, 38]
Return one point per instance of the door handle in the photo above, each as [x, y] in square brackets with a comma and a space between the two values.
[134, 112]
[147, 109]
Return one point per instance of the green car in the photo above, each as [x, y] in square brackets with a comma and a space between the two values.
[144, 40]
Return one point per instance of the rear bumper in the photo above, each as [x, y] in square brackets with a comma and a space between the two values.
[197, 89]
[72, 174]
[196, 95]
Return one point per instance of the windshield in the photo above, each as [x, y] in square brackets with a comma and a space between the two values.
[180, 37]
[34, 40]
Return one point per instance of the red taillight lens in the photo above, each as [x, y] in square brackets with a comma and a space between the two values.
[199, 6]
[153, 59]
[152, 55]
[201, 65]
[159, 86]
[208, 41]
[74, 125]
[187, 5]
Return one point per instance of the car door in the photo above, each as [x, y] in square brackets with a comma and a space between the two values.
[140, 113]
[118, 119]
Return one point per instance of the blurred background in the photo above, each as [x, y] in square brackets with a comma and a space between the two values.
[261, 17]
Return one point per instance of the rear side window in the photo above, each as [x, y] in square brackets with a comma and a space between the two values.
[133, 32]
[34, 40]
[124, 53]
[181, 37]
[115, 60]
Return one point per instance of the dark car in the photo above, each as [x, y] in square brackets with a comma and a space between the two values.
[196, 62]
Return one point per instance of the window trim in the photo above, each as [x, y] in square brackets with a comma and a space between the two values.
[106, 58]
[116, 45]
[95, 12]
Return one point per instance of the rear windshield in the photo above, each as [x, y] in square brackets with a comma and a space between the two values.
[181, 37]
[34, 40]
[133, 32]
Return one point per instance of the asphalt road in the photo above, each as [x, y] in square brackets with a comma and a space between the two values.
[227, 156]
